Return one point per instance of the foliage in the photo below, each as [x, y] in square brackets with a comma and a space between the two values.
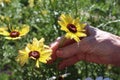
[42, 17]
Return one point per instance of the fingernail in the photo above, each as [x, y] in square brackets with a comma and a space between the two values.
[58, 38]
[53, 44]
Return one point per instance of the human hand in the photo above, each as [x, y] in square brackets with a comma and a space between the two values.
[98, 47]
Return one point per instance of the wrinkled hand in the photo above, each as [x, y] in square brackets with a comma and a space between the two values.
[98, 47]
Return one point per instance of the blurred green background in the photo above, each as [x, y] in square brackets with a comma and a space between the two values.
[42, 17]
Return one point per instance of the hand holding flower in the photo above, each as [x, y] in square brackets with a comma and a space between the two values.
[98, 47]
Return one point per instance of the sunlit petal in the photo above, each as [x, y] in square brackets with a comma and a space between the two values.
[24, 30]
[81, 34]
[10, 38]
[4, 33]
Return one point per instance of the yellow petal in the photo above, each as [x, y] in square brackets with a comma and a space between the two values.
[80, 34]
[62, 24]
[76, 21]
[24, 30]
[10, 38]
[29, 45]
[3, 31]
[37, 63]
[72, 36]
[41, 43]
[41, 40]
[64, 29]
[76, 39]
[69, 19]
[47, 52]
[27, 49]
[46, 47]
[22, 57]
[22, 52]
[35, 43]
[83, 25]
[45, 56]
[66, 18]
[43, 60]
[68, 35]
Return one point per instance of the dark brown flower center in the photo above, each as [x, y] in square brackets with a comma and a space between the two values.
[34, 54]
[72, 28]
[14, 34]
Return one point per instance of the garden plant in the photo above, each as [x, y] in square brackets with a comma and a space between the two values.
[28, 27]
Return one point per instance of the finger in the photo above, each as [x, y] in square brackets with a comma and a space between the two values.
[56, 45]
[53, 55]
[64, 42]
[61, 42]
[68, 51]
[90, 30]
[68, 62]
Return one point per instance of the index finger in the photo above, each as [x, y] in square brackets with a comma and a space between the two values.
[59, 43]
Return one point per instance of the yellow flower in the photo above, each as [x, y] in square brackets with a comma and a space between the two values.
[37, 51]
[14, 33]
[72, 27]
